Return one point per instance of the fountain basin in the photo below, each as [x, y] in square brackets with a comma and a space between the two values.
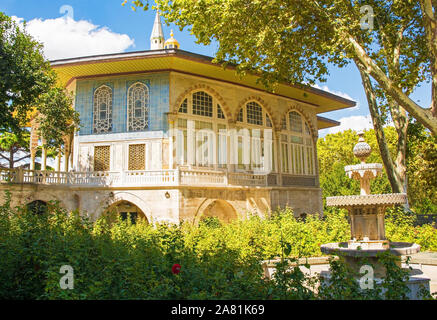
[358, 248]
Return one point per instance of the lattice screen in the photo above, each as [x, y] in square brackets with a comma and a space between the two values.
[101, 158]
[137, 154]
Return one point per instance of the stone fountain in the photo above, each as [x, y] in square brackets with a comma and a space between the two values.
[366, 212]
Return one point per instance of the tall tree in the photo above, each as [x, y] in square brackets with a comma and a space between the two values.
[24, 74]
[28, 87]
[57, 119]
[399, 52]
[293, 40]
[14, 148]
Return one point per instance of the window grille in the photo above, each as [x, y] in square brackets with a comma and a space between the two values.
[220, 113]
[137, 154]
[240, 115]
[138, 107]
[102, 158]
[268, 121]
[284, 124]
[295, 122]
[300, 146]
[202, 104]
[102, 110]
[184, 107]
[254, 113]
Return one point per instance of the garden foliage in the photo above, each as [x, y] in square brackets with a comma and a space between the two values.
[115, 259]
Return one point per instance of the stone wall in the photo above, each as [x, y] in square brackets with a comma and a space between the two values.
[172, 204]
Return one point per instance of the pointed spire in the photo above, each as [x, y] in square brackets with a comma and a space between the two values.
[157, 37]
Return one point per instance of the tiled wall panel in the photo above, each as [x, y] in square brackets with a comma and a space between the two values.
[158, 85]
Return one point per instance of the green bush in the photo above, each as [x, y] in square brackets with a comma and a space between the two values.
[114, 259]
[400, 227]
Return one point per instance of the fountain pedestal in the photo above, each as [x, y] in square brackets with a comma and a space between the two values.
[366, 212]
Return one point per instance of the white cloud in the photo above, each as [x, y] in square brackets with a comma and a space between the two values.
[340, 94]
[356, 123]
[67, 38]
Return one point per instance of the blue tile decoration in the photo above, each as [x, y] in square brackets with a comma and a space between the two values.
[159, 91]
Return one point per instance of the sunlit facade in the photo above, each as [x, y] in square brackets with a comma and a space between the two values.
[169, 136]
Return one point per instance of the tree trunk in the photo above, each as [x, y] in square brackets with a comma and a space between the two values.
[11, 158]
[395, 177]
[369, 67]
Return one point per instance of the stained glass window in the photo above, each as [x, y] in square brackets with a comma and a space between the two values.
[138, 107]
[102, 110]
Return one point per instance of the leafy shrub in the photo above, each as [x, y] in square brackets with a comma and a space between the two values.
[115, 259]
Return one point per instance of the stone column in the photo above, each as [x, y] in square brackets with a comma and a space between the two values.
[191, 143]
[278, 156]
[231, 146]
[171, 118]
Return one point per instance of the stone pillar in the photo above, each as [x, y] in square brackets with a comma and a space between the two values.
[231, 147]
[268, 146]
[278, 157]
[365, 185]
[171, 118]
[191, 143]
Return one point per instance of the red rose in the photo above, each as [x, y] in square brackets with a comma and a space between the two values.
[176, 268]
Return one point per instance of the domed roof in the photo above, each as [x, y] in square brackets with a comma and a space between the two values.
[171, 43]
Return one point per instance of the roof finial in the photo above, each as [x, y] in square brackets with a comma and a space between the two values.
[171, 43]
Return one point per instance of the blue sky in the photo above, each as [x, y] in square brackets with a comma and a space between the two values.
[104, 26]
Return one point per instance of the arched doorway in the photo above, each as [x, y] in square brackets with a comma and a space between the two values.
[127, 210]
[37, 207]
[219, 209]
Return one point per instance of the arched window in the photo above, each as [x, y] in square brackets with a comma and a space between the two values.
[138, 107]
[102, 110]
[254, 141]
[297, 147]
[201, 132]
